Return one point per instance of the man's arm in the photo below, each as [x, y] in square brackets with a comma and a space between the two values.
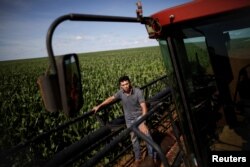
[141, 100]
[143, 128]
[104, 103]
[144, 108]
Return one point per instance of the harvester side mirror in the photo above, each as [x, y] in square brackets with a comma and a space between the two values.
[63, 91]
[69, 78]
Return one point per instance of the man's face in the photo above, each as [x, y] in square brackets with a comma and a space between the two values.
[125, 86]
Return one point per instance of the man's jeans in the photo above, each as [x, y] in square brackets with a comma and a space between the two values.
[136, 143]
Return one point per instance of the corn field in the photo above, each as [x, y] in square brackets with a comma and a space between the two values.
[22, 115]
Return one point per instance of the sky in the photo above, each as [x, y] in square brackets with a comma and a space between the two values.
[24, 25]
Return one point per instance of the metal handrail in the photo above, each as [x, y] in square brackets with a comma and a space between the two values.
[148, 140]
[153, 82]
[95, 159]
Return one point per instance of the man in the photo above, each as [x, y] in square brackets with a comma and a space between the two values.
[134, 107]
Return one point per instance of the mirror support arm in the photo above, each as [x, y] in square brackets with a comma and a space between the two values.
[77, 17]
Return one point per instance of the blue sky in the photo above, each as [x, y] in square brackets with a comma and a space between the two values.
[24, 25]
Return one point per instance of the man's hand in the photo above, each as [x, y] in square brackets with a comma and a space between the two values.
[143, 128]
[95, 109]
[104, 103]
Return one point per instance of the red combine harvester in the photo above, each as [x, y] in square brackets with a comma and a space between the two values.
[204, 107]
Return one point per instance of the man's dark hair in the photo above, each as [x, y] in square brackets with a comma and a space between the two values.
[123, 78]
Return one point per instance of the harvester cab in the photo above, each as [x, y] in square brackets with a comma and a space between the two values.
[205, 48]
[206, 53]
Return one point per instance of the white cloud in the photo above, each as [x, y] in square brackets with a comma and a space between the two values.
[78, 37]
